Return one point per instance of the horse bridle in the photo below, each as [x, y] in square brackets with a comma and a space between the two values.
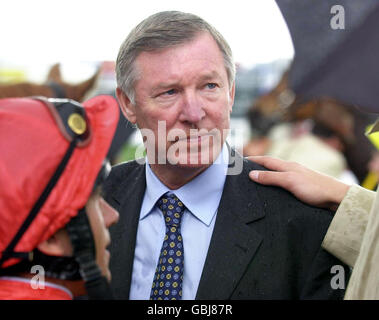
[59, 91]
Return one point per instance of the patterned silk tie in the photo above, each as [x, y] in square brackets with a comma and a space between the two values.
[167, 283]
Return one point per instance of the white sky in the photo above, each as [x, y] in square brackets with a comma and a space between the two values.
[36, 33]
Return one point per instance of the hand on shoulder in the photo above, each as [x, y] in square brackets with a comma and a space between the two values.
[309, 186]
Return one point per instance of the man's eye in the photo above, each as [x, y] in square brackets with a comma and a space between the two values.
[169, 92]
[211, 85]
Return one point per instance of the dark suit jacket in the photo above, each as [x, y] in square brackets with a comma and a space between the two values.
[265, 245]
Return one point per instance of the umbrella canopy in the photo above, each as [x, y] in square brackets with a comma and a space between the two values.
[335, 62]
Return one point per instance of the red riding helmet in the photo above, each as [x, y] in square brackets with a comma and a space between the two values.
[39, 139]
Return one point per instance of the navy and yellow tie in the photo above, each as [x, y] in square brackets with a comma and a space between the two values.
[167, 283]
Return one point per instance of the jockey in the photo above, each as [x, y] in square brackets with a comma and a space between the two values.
[53, 219]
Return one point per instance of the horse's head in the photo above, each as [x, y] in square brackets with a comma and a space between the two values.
[281, 104]
[345, 122]
[70, 91]
[54, 87]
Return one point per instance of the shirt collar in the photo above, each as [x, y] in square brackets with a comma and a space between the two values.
[199, 196]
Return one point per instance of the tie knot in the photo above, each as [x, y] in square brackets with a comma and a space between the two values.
[172, 209]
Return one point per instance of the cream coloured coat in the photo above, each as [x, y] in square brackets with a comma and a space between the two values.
[353, 237]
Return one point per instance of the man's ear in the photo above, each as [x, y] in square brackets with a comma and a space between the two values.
[127, 107]
[59, 244]
[232, 92]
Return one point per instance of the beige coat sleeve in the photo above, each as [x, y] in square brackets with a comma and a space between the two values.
[345, 233]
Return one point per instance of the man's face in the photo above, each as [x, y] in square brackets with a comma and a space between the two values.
[186, 89]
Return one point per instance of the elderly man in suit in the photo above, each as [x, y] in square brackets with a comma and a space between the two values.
[191, 226]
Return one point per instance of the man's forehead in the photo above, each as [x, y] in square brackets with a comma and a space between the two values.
[201, 45]
[201, 56]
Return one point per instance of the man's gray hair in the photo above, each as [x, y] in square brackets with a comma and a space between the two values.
[159, 31]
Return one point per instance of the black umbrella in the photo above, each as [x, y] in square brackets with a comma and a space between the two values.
[339, 63]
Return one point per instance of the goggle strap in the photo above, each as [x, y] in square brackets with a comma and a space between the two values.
[64, 109]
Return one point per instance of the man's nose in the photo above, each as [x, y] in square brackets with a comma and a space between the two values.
[110, 214]
[192, 108]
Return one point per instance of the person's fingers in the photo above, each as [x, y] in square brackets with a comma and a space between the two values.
[272, 163]
[273, 178]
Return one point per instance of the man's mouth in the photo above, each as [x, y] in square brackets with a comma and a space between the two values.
[193, 138]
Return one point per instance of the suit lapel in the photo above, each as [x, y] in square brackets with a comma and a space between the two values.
[129, 195]
[234, 241]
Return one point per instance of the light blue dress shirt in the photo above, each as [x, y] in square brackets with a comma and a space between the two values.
[201, 196]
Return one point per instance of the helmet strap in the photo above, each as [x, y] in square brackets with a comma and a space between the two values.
[83, 244]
